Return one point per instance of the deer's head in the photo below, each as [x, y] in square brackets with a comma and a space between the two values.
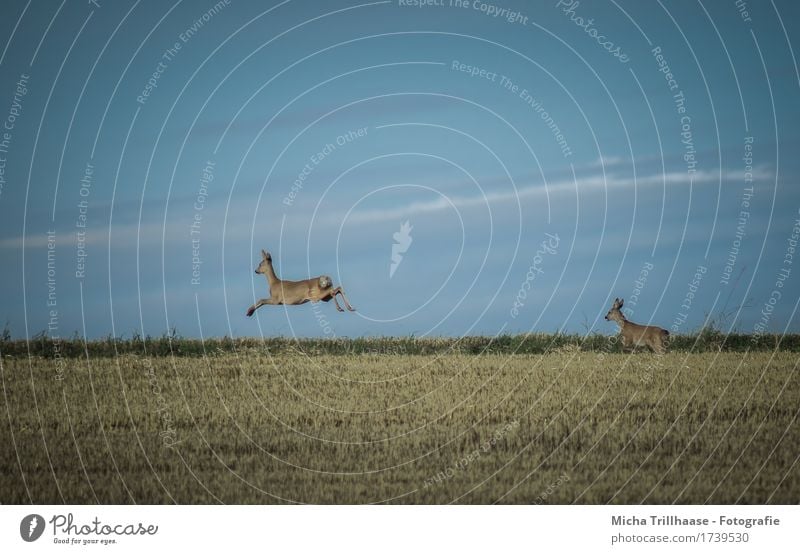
[325, 282]
[266, 261]
[615, 313]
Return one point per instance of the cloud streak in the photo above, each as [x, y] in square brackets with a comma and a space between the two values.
[152, 233]
[593, 183]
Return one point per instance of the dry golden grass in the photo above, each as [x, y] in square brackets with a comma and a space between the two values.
[564, 427]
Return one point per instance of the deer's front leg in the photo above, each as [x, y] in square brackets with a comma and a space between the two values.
[252, 309]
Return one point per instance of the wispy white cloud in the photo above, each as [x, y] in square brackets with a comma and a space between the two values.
[608, 161]
[150, 234]
[580, 185]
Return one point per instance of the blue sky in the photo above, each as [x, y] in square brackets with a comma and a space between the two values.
[315, 130]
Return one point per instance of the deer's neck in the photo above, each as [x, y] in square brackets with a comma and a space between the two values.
[272, 279]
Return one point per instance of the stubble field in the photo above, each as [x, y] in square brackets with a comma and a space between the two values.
[253, 427]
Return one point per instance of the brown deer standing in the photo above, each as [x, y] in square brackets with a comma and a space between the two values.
[633, 334]
[293, 293]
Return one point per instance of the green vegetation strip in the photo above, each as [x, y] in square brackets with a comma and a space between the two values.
[534, 343]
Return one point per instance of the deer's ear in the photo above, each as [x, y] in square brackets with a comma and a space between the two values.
[263, 254]
[621, 302]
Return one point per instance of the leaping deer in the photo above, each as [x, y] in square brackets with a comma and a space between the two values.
[633, 334]
[294, 293]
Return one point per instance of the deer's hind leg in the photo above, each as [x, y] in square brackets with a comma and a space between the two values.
[330, 296]
[333, 296]
[338, 290]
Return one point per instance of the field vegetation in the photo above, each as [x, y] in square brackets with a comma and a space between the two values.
[515, 420]
[172, 344]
